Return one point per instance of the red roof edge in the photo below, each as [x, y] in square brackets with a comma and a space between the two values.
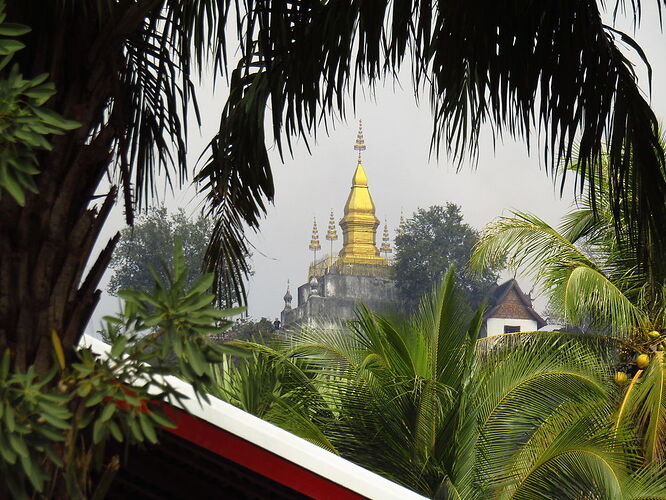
[255, 458]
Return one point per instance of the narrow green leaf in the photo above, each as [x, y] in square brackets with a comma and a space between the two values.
[56, 422]
[10, 46]
[53, 456]
[18, 445]
[108, 411]
[162, 419]
[147, 428]
[52, 118]
[115, 431]
[5, 450]
[98, 431]
[13, 29]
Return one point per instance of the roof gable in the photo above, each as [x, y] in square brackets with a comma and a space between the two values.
[509, 301]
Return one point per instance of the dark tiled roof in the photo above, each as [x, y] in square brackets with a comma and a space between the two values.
[499, 295]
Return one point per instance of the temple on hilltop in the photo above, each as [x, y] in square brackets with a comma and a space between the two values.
[335, 285]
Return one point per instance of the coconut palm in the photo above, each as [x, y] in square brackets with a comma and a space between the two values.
[592, 277]
[425, 403]
[587, 269]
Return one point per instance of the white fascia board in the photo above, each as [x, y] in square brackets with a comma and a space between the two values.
[280, 442]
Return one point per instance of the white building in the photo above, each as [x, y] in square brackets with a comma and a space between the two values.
[510, 311]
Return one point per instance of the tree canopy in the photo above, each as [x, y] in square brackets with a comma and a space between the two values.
[434, 240]
[148, 245]
[425, 402]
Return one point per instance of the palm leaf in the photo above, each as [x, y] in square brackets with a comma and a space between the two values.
[589, 294]
[647, 405]
[549, 63]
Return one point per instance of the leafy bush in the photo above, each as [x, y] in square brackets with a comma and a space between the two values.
[53, 428]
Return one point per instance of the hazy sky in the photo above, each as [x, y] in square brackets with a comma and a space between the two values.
[400, 174]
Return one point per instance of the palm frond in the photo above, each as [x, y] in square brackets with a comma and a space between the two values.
[647, 483]
[573, 81]
[523, 388]
[525, 242]
[647, 405]
[588, 295]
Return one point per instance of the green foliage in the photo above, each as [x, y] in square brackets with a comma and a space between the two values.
[591, 275]
[434, 240]
[425, 403]
[54, 427]
[24, 121]
[148, 245]
[248, 330]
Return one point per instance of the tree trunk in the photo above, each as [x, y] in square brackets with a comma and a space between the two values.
[46, 246]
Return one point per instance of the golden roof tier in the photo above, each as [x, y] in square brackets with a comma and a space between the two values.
[359, 224]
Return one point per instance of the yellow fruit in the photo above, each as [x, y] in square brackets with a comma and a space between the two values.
[620, 378]
[654, 334]
[643, 361]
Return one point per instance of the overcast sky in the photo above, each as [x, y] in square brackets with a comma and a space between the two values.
[401, 175]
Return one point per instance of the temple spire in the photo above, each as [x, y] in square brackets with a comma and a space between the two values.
[314, 241]
[359, 224]
[386, 241]
[331, 234]
[360, 143]
[287, 299]
[401, 226]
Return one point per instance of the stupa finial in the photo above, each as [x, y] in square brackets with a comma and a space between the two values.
[360, 143]
[314, 241]
[386, 241]
[287, 298]
[332, 233]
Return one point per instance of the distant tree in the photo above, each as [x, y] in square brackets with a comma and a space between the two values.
[252, 331]
[150, 243]
[435, 239]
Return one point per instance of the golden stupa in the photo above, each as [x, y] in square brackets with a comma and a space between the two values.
[359, 224]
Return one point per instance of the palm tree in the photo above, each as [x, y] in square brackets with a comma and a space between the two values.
[593, 278]
[124, 71]
[589, 273]
[425, 403]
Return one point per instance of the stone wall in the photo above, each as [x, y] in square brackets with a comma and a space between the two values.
[338, 295]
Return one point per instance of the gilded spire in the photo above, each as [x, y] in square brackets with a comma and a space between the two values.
[314, 241]
[332, 233]
[359, 223]
[386, 241]
[360, 143]
[401, 226]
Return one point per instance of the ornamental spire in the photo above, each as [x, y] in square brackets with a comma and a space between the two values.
[401, 226]
[314, 241]
[360, 143]
[331, 235]
[287, 298]
[386, 241]
[359, 224]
